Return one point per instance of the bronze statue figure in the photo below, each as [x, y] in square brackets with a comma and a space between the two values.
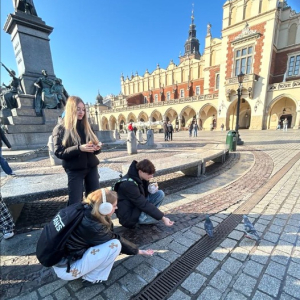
[50, 93]
[25, 6]
[8, 95]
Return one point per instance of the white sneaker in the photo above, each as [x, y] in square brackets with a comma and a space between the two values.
[8, 235]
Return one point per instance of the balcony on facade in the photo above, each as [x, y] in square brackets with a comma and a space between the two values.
[249, 82]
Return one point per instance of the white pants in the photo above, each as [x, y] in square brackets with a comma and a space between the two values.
[95, 264]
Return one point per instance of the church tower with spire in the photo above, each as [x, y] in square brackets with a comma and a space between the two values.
[192, 44]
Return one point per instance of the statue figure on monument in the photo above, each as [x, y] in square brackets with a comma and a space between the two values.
[60, 92]
[25, 6]
[8, 95]
[50, 93]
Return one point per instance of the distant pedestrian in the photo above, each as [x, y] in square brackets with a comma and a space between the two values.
[222, 127]
[6, 221]
[279, 125]
[190, 129]
[285, 124]
[195, 128]
[130, 127]
[170, 131]
[4, 164]
[134, 129]
[165, 128]
[177, 127]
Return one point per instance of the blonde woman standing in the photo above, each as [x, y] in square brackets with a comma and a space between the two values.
[93, 246]
[77, 146]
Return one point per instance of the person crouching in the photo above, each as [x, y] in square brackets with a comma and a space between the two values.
[93, 245]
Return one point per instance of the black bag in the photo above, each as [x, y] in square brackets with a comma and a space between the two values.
[116, 184]
[50, 248]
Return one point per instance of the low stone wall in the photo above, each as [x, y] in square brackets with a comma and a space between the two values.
[105, 136]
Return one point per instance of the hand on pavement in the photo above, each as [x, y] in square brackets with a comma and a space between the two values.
[167, 221]
[147, 252]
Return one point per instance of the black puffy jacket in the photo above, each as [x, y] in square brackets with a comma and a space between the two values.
[90, 232]
[72, 157]
[132, 199]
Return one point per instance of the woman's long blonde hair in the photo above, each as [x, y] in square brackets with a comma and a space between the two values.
[95, 199]
[71, 136]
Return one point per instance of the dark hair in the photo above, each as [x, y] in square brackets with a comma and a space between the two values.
[146, 166]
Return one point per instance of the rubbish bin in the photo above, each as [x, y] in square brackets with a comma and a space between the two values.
[231, 140]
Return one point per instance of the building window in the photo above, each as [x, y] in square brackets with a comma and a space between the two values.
[156, 98]
[243, 60]
[217, 81]
[145, 99]
[182, 93]
[168, 96]
[293, 67]
[197, 90]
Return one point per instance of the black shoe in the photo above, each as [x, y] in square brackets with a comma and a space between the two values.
[87, 283]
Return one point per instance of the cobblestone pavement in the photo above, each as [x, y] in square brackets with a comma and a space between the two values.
[263, 175]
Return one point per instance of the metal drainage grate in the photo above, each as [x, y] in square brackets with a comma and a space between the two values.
[165, 283]
[175, 274]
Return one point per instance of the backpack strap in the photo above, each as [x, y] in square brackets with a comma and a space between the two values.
[122, 180]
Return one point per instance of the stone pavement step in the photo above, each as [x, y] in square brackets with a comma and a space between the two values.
[14, 190]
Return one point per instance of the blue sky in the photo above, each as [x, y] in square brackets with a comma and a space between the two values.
[94, 41]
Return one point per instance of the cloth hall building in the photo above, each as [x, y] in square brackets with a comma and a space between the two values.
[260, 38]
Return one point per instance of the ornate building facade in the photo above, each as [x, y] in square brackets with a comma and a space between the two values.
[260, 38]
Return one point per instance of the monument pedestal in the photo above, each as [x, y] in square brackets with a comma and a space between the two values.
[25, 129]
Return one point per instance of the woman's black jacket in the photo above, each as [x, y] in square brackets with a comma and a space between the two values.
[72, 157]
[90, 232]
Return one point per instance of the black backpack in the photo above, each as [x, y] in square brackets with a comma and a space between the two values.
[116, 184]
[50, 248]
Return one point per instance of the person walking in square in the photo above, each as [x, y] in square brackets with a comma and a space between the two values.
[190, 129]
[77, 146]
[165, 129]
[138, 200]
[285, 124]
[222, 127]
[278, 125]
[4, 164]
[195, 128]
[170, 131]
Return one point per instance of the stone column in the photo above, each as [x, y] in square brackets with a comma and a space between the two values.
[179, 122]
[131, 143]
[30, 39]
[297, 122]
[150, 138]
[198, 120]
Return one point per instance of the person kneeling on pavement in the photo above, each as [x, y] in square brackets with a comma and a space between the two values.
[139, 201]
[93, 245]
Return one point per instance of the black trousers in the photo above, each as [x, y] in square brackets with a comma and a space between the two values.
[79, 180]
[170, 135]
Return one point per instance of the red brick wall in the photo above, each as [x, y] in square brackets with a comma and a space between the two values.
[257, 55]
[279, 65]
[135, 99]
[199, 82]
[212, 78]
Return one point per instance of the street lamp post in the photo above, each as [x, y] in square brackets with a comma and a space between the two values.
[239, 91]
